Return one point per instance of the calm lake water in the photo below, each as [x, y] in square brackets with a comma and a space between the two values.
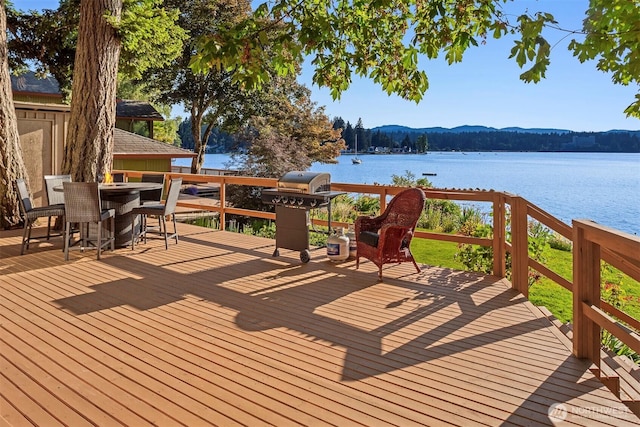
[604, 187]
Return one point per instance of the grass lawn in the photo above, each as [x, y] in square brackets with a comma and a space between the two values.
[545, 292]
[436, 253]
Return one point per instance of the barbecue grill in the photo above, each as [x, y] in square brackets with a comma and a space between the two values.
[296, 194]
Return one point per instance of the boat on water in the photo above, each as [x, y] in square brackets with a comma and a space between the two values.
[356, 160]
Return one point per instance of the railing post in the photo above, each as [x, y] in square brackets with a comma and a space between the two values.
[499, 268]
[223, 204]
[167, 181]
[519, 246]
[383, 200]
[586, 291]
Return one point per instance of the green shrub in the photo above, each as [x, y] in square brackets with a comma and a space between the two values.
[441, 215]
[449, 224]
[560, 243]
[342, 209]
[409, 180]
[318, 239]
[613, 293]
[618, 347]
[480, 258]
[208, 221]
[261, 227]
[367, 205]
[474, 257]
[430, 219]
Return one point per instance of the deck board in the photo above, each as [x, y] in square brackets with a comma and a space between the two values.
[216, 331]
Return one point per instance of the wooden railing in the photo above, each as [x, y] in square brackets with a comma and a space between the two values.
[591, 244]
[203, 171]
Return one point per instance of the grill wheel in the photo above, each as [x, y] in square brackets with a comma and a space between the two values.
[305, 256]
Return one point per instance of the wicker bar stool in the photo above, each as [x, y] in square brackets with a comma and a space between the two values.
[51, 181]
[30, 214]
[161, 211]
[152, 196]
[83, 206]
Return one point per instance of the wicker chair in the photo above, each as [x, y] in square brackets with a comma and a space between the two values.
[152, 197]
[83, 206]
[161, 211]
[386, 238]
[30, 214]
[52, 181]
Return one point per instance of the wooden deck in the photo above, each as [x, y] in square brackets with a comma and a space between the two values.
[216, 331]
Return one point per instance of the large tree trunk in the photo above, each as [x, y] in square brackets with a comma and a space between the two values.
[11, 162]
[89, 147]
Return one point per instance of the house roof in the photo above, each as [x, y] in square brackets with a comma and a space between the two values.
[131, 145]
[29, 83]
[136, 110]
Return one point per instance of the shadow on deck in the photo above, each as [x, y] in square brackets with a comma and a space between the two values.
[215, 331]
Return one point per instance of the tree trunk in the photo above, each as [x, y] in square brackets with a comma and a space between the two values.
[199, 146]
[11, 162]
[200, 139]
[89, 147]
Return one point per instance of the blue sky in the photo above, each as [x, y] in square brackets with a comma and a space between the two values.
[485, 89]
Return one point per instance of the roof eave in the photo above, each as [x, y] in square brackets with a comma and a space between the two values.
[152, 155]
[29, 93]
[146, 119]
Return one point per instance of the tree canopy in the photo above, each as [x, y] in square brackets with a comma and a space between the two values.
[291, 134]
[612, 29]
[384, 39]
[47, 39]
[212, 98]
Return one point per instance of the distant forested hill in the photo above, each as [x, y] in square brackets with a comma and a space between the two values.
[394, 138]
[480, 138]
